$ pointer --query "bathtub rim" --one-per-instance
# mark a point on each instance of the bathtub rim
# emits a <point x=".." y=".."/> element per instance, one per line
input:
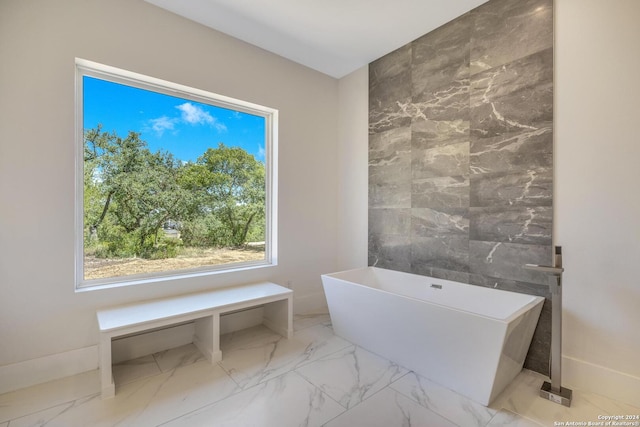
<point x="536" y="299"/>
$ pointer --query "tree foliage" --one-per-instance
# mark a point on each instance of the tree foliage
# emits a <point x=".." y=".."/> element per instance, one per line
<point x="131" y="194"/>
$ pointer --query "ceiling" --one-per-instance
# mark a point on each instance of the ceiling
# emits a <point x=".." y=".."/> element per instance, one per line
<point x="334" y="37"/>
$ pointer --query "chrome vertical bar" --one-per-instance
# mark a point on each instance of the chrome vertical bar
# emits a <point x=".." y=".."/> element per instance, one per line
<point x="554" y="391"/>
<point x="556" y="332"/>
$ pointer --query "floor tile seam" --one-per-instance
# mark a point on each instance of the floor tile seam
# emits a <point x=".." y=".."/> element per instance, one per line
<point x="238" y="390"/>
<point x="146" y="377"/>
<point x="219" y="363"/>
<point x="438" y="413"/>
<point x="22" y="415"/>
<point x="297" y="329"/>
<point x="325" y="394"/>
<point x="193" y="411"/>
<point x="321" y="390"/>
<point x="248" y="387"/>
<point x="433" y="411"/>
<point x="310" y="361"/>
<point x="394" y="391"/>
<point x="68" y="405"/>
<point x="318" y="325"/>
<point x="155" y="359"/>
<point x="503" y="409"/>
<point x="241" y="390"/>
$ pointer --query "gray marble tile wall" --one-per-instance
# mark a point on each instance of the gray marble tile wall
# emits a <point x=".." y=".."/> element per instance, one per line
<point x="460" y="153"/>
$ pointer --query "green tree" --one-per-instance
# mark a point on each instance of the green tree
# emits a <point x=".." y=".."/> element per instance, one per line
<point x="230" y="184"/>
<point x="130" y="192"/>
<point x="130" y="189"/>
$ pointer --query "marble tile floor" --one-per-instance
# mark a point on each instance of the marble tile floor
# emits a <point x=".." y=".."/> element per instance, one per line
<point x="314" y="379"/>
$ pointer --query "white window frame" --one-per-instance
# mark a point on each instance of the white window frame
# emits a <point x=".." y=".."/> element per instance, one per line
<point x="129" y="78"/>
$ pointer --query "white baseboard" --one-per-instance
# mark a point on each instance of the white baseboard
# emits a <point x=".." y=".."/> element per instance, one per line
<point x="582" y="375"/>
<point x="48" y="368"/>
<point x="310" y="304"/>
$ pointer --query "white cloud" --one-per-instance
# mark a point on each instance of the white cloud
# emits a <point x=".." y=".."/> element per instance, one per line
<point x="189" y="114"/>
<point x="161" y="124"/>
<point x="195" y="115"/>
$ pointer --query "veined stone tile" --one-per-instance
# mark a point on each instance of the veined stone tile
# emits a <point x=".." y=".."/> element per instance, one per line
<point x="442" y="55"/>
<point x="523" y="188"/>
<point x="426" y="133"/>
<point x="440" y="193"/>
<point x="518" y="224"/>
<point x="255" y="363"/>
<point x="145" y="402"/>
<point x="530" y="73"/>
<point x="390" y="169"/>
<point x="351" y="375"/>
<point x="16" y="404"/>
<point x="287" y="400"/>
<point x="446" y="103"/>
<point x="257" y="335"/>
<point x="180" y="356"/>
<point x="522" y="150"/>
<point x="396" y="63"/>
<point x="390" y="91"/>
<point x="389" y="408"/>
<point x="505" y="418"/>
<point x="446" y="160"/>
<point x="390" y="195"/>
<point x="390" y="251"/>
<point x="506" y="30"/>
<point x="513" y="98"/>
<point x="394" y="115"/>
<point x="131" y="370"/>
<point x="303" y="321"/>
<point x="385" y="147"/>
<point x="449" y="404"/>
<point x="390" y="221"/>
<point x="506" y="260"/>
<point x="541" y="290"/>
<point x="439" y="273"/>
<point x="445" y="253"/>
<point x="512" y="114"/>
<point x="427" y="222"/>
<point x="395" y="168"/>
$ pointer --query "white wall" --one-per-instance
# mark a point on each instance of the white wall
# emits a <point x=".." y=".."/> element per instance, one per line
<point x="597" y="197"/>
<point x="353" y="152"/>
<point x="40" y="314"/>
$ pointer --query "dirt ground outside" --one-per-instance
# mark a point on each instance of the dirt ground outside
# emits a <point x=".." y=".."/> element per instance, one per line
<point x="99" y="268"/>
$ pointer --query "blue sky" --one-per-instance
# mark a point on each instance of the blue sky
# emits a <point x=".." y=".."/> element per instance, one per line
<point x="184" y="128"/>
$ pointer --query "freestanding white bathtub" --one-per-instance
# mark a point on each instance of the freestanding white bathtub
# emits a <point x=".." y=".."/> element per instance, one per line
<point x="470" y="339"/>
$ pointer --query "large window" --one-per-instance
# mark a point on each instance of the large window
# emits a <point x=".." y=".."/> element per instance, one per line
<point x="171" y="180"/>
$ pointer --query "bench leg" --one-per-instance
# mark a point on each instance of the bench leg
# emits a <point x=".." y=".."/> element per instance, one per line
<point x="207" y="337"/>
<point x="216" y="353"/>
<point x="107" y="385"/>
<point x="278" y="316"/>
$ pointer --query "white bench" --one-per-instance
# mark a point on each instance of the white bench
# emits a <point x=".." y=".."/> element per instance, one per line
<point x="203" y="308"/>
